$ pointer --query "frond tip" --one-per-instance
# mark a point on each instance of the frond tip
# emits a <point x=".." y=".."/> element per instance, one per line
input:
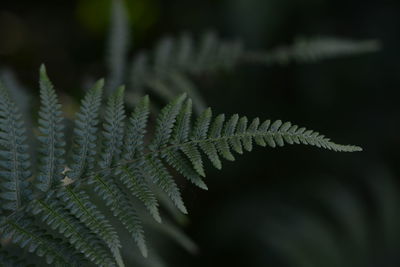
<point x="179" y="145"/>
<point x="219" y="138"/>
<point x="51" y="135"/>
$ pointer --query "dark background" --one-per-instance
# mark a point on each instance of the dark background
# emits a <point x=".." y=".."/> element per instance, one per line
<point x="351" y="99"/>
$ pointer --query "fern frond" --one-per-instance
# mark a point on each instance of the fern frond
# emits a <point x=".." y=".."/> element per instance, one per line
<point x="85" y="132"/>
<point x="124" y="158"/>
<point x="165" y="123"/>
<point x="22" y="231"/>
<point x="179" y="144"/>
<point x="153" y="165"/>
<point x="113" y="137"/>
<point x="76" y="201"/>
<point x="165" y="72"/>
<point x="134" y="140"/>
<point x="14" y="157"/>
<point x="83" y="240"/>
<point x="311" y="50"/>
<point x="51" y="137"/>
<point x="135" y="180"/>
<point x="133" y="176"/>
<point x="115" y="198"/>
<point x="158" y="173"/>
<point x="176" y="160"/>
<point x="113" y="134"/>
<point x="79" y="204"/>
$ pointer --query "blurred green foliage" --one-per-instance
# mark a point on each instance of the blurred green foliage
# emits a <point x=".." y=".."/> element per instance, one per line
<point x="94" y="14"/>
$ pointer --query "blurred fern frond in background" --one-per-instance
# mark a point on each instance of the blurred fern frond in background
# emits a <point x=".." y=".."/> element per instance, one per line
<point x="168" y="70"/>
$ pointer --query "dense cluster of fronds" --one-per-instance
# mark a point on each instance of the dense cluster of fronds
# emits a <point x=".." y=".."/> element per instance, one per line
<point x="117" y="163"/>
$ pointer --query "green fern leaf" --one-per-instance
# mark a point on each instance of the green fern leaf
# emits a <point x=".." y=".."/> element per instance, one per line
<point x="115" y="198"/>
<point x="157" y="172"/>
<point x="58" y="218"/>
<point x="165" y="123"/>
<point x="133" y="177"/>
<point x="220" y="143"/>
<point x="79" y="204"/>
<point x="14" y="157"/>
<point x="113" y="137"/>
<point x="200" y="131"/>
<point x="177" y="161"/>
<point x="136" y="182"/>
<point x="51" y="136"/>
<point x="134" y="141"/>
<point x="125" y="158"/>
<point x="22" y="231"/>
<point x="182" y="128"/>
<point x="113" y="134"/>
<point x="219" y="138"/>
<point x="83" y="154"/>
<point x="194" y="156"/>
<point x="181" y="134"/>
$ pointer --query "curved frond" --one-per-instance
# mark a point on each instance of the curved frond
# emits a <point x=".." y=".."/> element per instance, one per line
<point x="180" y="144"/>
<point x="122" y="164"/>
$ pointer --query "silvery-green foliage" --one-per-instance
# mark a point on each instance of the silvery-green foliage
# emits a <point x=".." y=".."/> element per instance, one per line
<point x="111" y="159"/>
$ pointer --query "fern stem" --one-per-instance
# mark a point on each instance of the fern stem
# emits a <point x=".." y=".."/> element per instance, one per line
<point x="198" y="142"/>
<point x="204" y="141"/>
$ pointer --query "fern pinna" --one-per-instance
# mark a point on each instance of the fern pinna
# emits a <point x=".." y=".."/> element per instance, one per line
<point x="113" y="161"/>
